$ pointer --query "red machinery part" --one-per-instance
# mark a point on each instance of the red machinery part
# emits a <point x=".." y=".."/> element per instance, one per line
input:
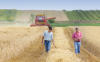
<point x="44" y="20"/>
<point x="51" y="18"/>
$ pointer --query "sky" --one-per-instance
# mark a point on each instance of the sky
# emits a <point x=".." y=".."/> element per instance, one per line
<point x="50" y="4"/>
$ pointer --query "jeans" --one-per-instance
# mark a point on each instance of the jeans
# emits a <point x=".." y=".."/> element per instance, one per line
<point x="47" y="45"/>
<point x="77" y="47"/>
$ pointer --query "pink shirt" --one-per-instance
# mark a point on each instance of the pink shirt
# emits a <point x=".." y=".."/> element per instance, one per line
<point x="77" y="35"/>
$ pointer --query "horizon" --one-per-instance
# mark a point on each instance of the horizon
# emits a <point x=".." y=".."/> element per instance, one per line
<point x="47" y="10"/>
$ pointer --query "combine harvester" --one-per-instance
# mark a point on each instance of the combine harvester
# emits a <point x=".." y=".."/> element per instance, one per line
<point x="41" y="20"/>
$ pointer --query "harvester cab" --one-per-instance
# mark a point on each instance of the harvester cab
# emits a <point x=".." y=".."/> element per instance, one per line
<point x="41" y="20"/>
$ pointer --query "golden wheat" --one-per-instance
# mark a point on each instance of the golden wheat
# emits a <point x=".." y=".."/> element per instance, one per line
<point x="13" y="40"/>
<point x="64" y="51"/>
<point x="25" y="45"/>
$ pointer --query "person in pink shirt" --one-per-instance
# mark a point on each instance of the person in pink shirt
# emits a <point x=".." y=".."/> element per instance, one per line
<point x="77" y="36"/>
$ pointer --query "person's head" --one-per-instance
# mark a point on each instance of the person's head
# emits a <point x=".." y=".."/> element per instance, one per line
<point x="77" y="30"/>
<point x="50" y="29"/>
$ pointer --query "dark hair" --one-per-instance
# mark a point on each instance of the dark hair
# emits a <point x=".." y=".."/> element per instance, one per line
<point x="50" y="28"/>
<point x="76" y="28"/>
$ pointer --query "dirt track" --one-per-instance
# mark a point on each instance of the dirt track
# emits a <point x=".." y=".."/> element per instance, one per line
<point x="64" y="51"/>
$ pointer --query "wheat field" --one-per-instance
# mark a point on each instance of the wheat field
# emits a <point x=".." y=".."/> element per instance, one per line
<point x="25" y="14"/>
<point x="13" y="40"/>
<point x="23" y="44"/>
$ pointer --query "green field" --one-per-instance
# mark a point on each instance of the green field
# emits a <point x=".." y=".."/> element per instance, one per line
<point x="73" y="24"/>
<point x="7" y="15"/>
<point x="83" y="15"/>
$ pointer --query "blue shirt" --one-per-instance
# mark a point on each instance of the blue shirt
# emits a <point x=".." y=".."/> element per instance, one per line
<point x="48" y="36"/>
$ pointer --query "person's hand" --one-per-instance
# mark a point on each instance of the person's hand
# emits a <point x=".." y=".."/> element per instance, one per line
<point x="53" y="44"/>
<point x="79" y="38"/>
<point x="75" y="39"/>
<point x="42" y="42"/>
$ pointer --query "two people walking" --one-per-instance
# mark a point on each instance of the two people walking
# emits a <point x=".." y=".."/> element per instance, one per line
<point x="48" y="36"/>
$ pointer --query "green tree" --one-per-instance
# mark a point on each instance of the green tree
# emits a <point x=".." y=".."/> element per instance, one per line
<point x="32" y="18"/>
<point x="51" y="20"/>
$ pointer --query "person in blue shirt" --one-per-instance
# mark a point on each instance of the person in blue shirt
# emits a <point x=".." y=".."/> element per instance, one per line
<point x="48" y="36"/>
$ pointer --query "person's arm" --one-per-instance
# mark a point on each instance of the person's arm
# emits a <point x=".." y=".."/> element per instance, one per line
<point x="73" y="37"/>
<point x="80" y="38"/>
<point x="43" y="37"/>
<point x="53" y="42"/>
<point x="52" y="39"/>
<point x="81" y="35"/>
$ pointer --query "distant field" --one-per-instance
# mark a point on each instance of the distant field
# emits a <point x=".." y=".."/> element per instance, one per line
<point x="73" y="24"/>
<point x="83" y="15"/>
<point x="24" y="15"/>
<point x="7" y="15"/>
<point x="75" y="15"/>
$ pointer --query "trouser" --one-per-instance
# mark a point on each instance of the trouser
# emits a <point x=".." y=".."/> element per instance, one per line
<point x="77" y="47"/>
<point x="47" y="45"/>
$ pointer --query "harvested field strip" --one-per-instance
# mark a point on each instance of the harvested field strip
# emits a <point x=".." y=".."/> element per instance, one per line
<point x="32" y="53"/>
<point x="14" y="40"/>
